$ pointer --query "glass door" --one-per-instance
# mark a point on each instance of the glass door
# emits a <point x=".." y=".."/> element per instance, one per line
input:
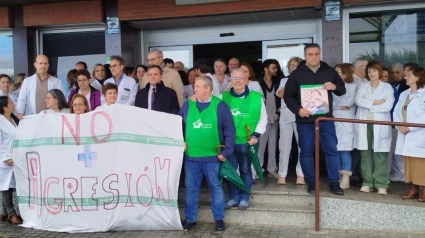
<point x="183" y="54"/>
<point x="283" y="50"/>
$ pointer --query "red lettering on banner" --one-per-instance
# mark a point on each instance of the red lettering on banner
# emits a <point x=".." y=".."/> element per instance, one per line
<point x="129" y="203"/>
<point x="70" y="187"/>
<point x="51" y="209"/>
<point x="137" y="190"/>
<point x="162" y="178"/>
<point x="92" y="123"/>
<point x="115" y="196"/>
<point x="34" y="180"/>
<point x="75" y="134"/>
<point x="86" y="191"/>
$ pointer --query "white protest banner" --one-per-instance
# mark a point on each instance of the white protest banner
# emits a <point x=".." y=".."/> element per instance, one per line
<point x="113" y="169"/>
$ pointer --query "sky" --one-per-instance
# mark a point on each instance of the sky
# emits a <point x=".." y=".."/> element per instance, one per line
<point x="6" y="55"/>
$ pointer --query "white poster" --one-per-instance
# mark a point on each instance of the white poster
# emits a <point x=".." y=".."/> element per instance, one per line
<point x="114" y="169"/>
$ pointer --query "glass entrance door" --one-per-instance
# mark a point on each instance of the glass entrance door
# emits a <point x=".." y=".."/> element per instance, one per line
<point x="283" y="50"/>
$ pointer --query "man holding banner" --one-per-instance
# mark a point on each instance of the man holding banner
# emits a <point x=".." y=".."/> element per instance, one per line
<point x="248" y="109"/>
<point x="207" y="124"/>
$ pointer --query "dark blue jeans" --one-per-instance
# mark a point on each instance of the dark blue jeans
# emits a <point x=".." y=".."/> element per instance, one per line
<point x="240" y="158"/>
<point x="193" y="178"/>
<point x="328" y="144"/>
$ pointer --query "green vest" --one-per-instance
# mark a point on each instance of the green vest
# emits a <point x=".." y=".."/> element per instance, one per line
<point x="202" y="130"/>
<point x="245" y="111"/>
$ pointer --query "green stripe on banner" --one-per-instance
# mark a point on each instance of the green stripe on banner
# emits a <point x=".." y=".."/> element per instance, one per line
<point x="88" y="140"/>
<point x="88" y="202"/>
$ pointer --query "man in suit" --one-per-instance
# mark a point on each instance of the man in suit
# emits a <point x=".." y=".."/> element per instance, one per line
<point x="155" y="96"/>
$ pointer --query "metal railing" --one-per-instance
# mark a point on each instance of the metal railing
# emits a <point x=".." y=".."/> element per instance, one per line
<point x="317" y="152"/>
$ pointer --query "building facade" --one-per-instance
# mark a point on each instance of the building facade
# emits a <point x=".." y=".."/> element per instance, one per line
<point x="185" y="30"/>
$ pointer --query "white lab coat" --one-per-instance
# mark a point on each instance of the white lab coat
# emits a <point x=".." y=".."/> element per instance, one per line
<point x="216" y="85"/>
<point x="412" y="143"/>
<point x="187" y="92"/>
<point x="26" y="99"/>
<point x="226" y="82"/>
<point x="7" y="135"/>
<point x="358" y="81"/>
<point x="127" y="90"/>
<point x="13" y="100"/>
<point x="286" y="116"/>
<point x="364" y="100"/>
<point x="344" y="130"/>
<point x="95" y="84"/>
<point x="255" y="86"/>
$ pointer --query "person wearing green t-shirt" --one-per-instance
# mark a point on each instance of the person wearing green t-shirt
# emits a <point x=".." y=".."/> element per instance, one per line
<point x="248" y="109"/>
<point x="207" y="124"/>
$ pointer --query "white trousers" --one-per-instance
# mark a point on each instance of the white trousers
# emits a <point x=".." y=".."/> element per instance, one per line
<point x="285" y="145"/>
<point x="395" y="162"/>
<point x="269" y="137"/>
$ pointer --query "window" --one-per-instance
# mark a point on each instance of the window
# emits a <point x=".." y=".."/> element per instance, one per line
<point x="66" y="48"/>
<point x="389" y="37"/>
<point x="6" y="53"/>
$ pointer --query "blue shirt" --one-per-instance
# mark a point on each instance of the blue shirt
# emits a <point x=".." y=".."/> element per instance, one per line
<point x="226" y="129"/>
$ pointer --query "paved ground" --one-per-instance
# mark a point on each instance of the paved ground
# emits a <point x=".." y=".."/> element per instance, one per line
<point x="207" y="230"/>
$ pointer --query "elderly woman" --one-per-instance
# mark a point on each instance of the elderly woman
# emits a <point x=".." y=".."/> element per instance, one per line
<point x="4" y="90"/>
<point x="410" y="108"/>
<point x="374" y="101"/>
<point x="99" y="76"/>
<point x="8" y="129"/>
<point x="288" y="128"/>
<point x="79" y="104"/>
<point x="84" y="88"/>
<point x="344" y="107"/>
<point x="56" y="102"/>
<point x="220" y="75"/>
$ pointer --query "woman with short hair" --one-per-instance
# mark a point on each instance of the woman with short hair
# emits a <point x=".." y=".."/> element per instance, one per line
<point x="374" y="100"/>
<point x="79" y="104"/>
<point x="4" y="90"/>
<point x="84" y="88"/>
<point x="410" y="108"/>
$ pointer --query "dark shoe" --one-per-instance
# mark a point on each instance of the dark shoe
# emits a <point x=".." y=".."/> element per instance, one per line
<point x="412" y="193"/>
<point x="422" y="196"/>
<point x="219" y="225"/>
<point x="3" y="217"/>
<point x="311" y="188"/>
<point x="335" y="188"/>
<point x="187" y="225"/>
<point x="14" y="220"/>
<point x="356" y="183"/>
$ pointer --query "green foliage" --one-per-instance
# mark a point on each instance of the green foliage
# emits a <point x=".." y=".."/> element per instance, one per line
<point x="401" y="56"/>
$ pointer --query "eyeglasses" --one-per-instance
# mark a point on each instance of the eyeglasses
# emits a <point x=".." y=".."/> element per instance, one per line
<point x="293" y="65"/>
<point x="237" y="78"/>
<point x="78" y="105"/>
<point x="152" y="60"/>
<point x="114" y="66"/>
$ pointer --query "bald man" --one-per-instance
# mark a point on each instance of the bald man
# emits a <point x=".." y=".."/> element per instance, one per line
<point x="34" y="90"/>
<point x="178" y="66"/>
<point x="233" y="64"/>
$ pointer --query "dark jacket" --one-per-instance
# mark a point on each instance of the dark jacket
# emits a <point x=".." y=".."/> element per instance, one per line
<point x="94" y="97"/>
<point x="401" y="86"/>
<point x="303" y="75"/>
<point x="265" y="88"/>
<point x="165" y="101"/>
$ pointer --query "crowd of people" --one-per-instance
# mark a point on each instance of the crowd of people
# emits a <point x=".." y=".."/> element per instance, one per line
<point x="233" y="108"/>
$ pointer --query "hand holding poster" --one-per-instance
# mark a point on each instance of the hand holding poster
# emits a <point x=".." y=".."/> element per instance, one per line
<point x="314" y="97"/>
<point x="115" y="169"/>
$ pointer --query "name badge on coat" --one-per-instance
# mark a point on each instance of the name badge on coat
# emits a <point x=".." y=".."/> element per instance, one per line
<point x="125" y="94"/>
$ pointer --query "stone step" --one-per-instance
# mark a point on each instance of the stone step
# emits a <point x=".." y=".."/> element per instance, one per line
<point x="261" y="214"/>
<point x="287" y="197"/>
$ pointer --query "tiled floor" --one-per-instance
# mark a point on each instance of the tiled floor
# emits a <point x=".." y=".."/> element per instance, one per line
<point x="207" y="230"/>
